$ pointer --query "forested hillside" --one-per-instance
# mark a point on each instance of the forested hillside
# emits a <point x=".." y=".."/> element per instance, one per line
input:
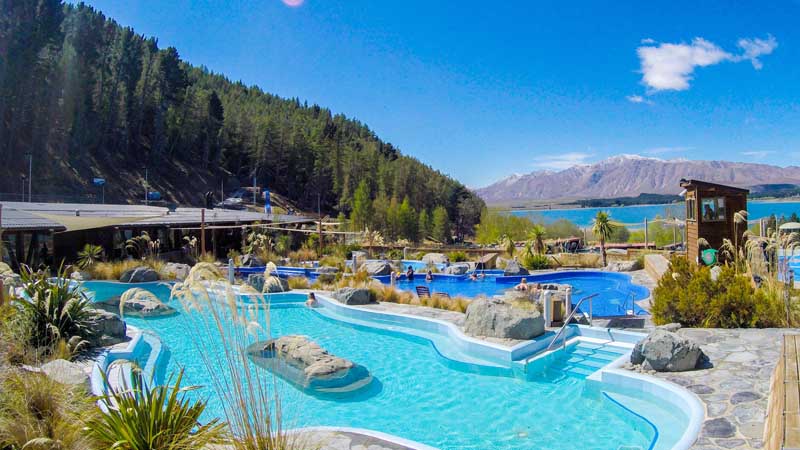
<point x="90" y="98"/>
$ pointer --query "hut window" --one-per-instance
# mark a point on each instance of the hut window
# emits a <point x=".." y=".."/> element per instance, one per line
<point x="691" y="209"/>
<point x="713" y="209"/>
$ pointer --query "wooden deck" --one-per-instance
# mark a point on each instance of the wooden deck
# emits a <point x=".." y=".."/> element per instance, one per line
<point x="782" y="429"/>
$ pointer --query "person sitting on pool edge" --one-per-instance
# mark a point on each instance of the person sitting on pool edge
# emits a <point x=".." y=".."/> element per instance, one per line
<point x="429" y="276"/>
<point x="312" y="300"/>
<point x="410" y="273"/>
<point x="522" y="286"/>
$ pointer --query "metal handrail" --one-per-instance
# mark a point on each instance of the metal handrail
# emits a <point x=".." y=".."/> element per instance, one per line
<point x="569" y="317"/>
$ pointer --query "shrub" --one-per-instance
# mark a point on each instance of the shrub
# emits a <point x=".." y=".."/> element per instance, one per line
<point x="54" y="311"/>
<point x="458" y="256"/>
<point x="38" y="412"/>
<point x="332" y="261"/>
<point x="141" y="417"/>
<point x="112" y="270"/>
<point x="298" y="283"/>
<point x="90" y="255"/>
<point x="394" y="254"/>
<point x="688" y="295"/>
<point x="535" y="262"/>
<point x="303" y="254"/>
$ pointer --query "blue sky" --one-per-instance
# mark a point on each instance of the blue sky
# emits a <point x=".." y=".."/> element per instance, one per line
<point x="483" y="89"/>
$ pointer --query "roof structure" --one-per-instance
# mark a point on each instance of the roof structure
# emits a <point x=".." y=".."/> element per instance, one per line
<point x="705" y="184"/>
<point x="75" y="216"/>
<point x="790" y="226"/>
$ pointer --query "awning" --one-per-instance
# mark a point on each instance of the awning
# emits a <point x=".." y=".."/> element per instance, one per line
<point x="790" y="226"/>
<point x="77" y="223"/>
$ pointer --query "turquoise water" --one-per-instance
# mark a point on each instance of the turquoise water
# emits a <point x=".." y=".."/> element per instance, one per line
<point x="419" y="395"/>
<point x="635" y="215"/>
<point x="615" y="290"/>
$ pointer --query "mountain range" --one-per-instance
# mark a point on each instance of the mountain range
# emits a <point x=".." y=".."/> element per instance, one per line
<point x="630" y="175"/>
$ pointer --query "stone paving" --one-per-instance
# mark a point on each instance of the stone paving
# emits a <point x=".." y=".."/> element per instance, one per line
<point x="735" y="390"/>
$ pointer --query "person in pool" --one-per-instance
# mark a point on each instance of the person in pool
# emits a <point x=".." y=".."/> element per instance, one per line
<point x="410" y="273"/>
<point x="473" y="277"/>
<point x="429" y="276"/>
<point x="312" y="300"/>
<point x="522" y="286"/>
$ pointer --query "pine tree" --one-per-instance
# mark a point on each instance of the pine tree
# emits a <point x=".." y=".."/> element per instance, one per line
<point x="440" y="226"/>
<point x="362" y="207"/>
<point x="407" y="220"/>
<point x="424" y="225"/>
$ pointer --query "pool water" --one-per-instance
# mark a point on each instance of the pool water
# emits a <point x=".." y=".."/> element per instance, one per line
<point x="616" y="291"/>
<point x="417" y="394"/>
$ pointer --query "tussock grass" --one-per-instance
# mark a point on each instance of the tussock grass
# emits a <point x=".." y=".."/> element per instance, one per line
<point x="298" y="283"/>
<point x="39" y="413"/>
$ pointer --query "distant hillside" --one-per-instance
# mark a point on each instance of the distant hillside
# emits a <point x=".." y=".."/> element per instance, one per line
<point x="90" y="98"/>
<point x="630" y="176"/>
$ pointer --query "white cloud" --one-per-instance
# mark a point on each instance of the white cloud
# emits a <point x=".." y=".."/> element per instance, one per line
<point x="562" y="161"/>
<point x="670" y="66"/>
<point x="757" y="154"/>
<point x="638" y="99"/>
<point x="753" y="48"/>
<point x="648" y="41"/>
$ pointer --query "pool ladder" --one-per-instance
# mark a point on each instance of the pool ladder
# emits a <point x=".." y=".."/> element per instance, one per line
<point x="569" y="317"/>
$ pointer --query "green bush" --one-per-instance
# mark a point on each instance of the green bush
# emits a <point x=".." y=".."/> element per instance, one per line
<point x="687" y="294"/>
<point x="395" y="254"/>
<point x="458" y="256"/>
<point x="535" y="262"/>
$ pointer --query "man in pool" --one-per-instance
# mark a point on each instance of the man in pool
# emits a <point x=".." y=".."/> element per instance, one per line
<point x="410" y="273"/>
<point x="473" y="277"/>
<point x="429" y="276"/>
<point x="522" y="286"/>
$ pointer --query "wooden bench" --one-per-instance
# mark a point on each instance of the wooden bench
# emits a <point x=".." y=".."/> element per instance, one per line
<point x="782" y="428"/>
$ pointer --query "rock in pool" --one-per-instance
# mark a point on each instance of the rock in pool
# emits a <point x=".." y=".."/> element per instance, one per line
<point x="136" y="302"/>
<point x="304" y="363"/>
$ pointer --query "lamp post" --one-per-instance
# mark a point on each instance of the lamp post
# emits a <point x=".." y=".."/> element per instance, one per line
<point x="30" y="177"/>
<point x="24" y="179"/>
<point x="146" y="188"/>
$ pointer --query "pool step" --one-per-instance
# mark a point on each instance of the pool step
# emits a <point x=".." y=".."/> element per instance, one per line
<point x="585" y="358"/>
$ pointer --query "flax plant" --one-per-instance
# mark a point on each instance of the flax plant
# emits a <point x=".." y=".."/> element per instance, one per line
<point x="216" y="321"/>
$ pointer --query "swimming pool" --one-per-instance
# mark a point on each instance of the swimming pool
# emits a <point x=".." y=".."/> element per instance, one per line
<point x="420" y="394"/>
<point x="616" y="291"/>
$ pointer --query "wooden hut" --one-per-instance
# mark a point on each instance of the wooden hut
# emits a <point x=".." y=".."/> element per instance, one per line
<point x="710" y="209"/>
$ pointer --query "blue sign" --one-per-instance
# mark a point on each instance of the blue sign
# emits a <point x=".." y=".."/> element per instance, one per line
<point x="99" y="181"/>
<point x="267" y="205"/>
<point x="154" y="195"/>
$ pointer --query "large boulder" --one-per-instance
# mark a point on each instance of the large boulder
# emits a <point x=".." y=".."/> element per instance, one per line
<point x="622" y="266"/>
<point x="457" y="269"/>
<point x="141" y="274"/>
<point x="80" y="275"/>
<point x="268" y="284"/>
<point x="514" y="269"/>
<point x="252" y="261"/>
<point x="493" y="317"/>
<point x="328" y="270"/>
<point x="376" y="268"/>
<point x="10" y="279"/>
<point x="435" y="258"/>
<point x="137" y="302"/>
<point x="352" y="296"/>
<point x="304" y="363"/>
<point x="108" y="328"/>
<point x="665" y="351"/>
<point x="65" y="372"/>
<point x="175" y="271"/>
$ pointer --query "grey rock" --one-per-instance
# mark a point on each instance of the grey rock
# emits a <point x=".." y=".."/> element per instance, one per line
<point x="701" y="389"/>
<point x="731" y="443"/>
<point x="252" y="261"/>
<point x="435" y="258"/>
<point x="80" y="276"/>
<point x="719" y="428"/>
<point x="65" y="372"/>
<point x="268" y="284"/>
<point x="377" y="268"/>
<point x="715" y="272"/>
<point x="493" y="317"/>
<point x="352" y="296"/>
<point x="11" y="280"/>
<point x="140" y="274"/>
<point x="513" y="269"/>
<point x="137" y="302"/>
<point x="664" y="351"/>
<point x="622" y="266"/>
<point x="457" y="269"/>
<point x="671" y="327"/>
<point x="175" y="271"/>
<point x="305" y="363"/>
<point x="744" y="397"/>
<point x="328" y="270"/>
<point x="107" y="328"/>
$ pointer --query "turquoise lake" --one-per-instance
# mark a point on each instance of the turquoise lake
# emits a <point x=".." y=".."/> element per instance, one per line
<point x="634" y="216"/>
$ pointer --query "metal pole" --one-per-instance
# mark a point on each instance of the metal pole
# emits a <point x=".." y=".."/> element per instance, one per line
<point x="319" y="227"/>
<point x="104" y="193"/>
<point x="30" y="177"/>
<point x="203" y="232"/>
<point x="646" y="241"/>
<point x="254" y="189"/>
<point x="22" y="198"/>
<point x="222" y="191"/>
<point x="145" y="187"/>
